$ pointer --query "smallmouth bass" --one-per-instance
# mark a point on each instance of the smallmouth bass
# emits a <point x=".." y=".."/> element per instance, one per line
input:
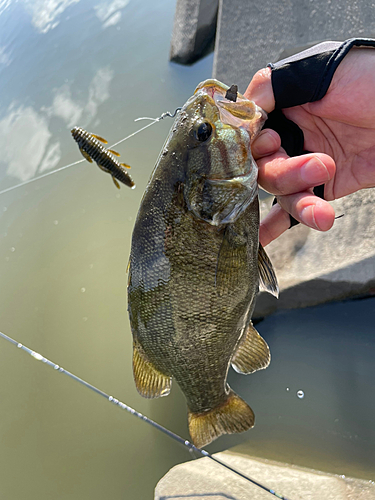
<point x="196" y="264"/>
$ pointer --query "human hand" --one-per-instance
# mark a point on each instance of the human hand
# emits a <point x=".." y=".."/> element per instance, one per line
<point x="339" y="130"/>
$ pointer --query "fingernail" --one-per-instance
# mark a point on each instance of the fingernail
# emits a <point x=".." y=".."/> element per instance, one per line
<point x="314" y="172"/>
<point x="265" y="144"/>
<point x="308" y="218"/>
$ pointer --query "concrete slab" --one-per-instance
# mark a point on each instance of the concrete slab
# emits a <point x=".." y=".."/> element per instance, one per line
<point x="251" y="34"/>
<point x="204" y="479"/>
<point x="194" y="30"/>
<point x="314" y="267"/>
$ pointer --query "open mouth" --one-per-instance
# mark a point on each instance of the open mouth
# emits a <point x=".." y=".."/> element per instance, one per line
<point x="240" y="113"/>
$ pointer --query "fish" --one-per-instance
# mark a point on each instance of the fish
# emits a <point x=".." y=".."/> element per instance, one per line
<point x="92" y="150"/>
<point x="196" y="264"/>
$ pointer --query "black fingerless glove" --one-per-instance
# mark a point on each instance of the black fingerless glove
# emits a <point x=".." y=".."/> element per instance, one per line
<point x="301" y="78"/>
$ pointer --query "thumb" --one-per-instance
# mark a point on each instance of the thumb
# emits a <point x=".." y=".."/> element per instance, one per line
<point x="260" y="90"/>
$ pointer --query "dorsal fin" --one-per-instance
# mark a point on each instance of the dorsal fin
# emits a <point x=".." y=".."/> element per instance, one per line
<point x="267" y="276"/>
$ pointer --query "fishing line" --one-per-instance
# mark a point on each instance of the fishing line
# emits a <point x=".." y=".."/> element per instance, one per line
<point x="154" y="120"/>
<point x="123" y="406"/>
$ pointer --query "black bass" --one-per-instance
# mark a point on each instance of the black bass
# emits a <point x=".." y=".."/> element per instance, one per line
<point x="92" y="150"/>
<point x="196" y="264"/>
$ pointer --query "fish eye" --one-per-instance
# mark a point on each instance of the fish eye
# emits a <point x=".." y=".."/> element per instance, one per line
<point x="203" y="132"/>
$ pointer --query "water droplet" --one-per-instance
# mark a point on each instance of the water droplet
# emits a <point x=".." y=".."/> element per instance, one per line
<point x="5" y="234"/>
<point x="5" y="209"/>
<point x="342" y="476"/>
<point x="118" y="195"/>
<point x="91" y="266"/>
<point x="19" y="345"/>
<point x="130" y="217"/>
<point x="83" y="290"/>
<point x="7" y="259"/>
<point x="300" y="394"/>
<point x="83" y="210"/>
<point x="85" y="318"/>
<point x="287" y="389"/>
<point x="12" y="249"/>
<point x="55" y="222"/>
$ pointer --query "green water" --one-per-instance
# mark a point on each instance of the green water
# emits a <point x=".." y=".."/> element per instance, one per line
<point x="64" y="249"/>
<point x="65" y="243"/>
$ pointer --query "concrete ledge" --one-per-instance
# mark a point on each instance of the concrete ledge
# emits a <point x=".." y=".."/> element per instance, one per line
<point x="204" y="479"/>
<point x="194" y="30"/>
<point x="313" y="267"/>
<point x="252" y="34"/>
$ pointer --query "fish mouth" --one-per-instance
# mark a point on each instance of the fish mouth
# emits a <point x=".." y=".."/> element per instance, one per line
<point x="241" y="114"/>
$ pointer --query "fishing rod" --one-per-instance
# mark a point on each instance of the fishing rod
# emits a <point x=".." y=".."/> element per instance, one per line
<point x="139" y="415"/>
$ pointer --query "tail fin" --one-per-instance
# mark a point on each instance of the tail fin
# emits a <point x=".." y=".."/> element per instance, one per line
<point x="234" y="415"/>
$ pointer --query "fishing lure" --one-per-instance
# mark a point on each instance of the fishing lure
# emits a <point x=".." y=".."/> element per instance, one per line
<point x="92" y="149"/>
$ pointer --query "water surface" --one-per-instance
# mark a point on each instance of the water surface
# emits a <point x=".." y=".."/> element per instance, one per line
<point x="65" y="243"/>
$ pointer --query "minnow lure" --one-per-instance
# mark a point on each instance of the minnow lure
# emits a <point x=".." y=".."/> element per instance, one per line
<point x="93" y="150"/>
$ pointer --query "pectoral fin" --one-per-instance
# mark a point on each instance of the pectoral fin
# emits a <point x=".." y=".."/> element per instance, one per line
<point x="252" y="354"/>
<point x="86" y="155"/>
<point x="267" y="276"/>
<point x="150" y="383"/>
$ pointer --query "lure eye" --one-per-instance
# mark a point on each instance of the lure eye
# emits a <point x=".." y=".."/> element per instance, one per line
<point x="203" y="132"/>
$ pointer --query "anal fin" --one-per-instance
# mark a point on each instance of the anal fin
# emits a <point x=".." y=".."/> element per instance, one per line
<point x="267" y="276"/>
<point x="149" y="381"/>
<point x="252" y="354"/>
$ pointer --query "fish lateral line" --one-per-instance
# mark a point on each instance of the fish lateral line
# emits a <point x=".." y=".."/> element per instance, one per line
<point x="39" y="357"/>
